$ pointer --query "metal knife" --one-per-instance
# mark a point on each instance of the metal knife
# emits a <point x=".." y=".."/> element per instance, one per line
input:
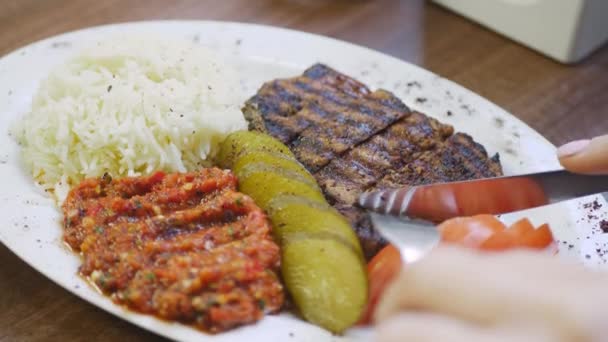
<point x="406" y="216"/>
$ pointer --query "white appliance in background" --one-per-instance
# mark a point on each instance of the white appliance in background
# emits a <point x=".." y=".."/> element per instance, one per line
<point x="566" y="30"/>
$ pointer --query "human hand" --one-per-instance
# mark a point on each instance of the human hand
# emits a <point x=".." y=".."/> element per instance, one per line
<point x="459" y="295"/>
<point x="585" y="156"/>
<point x="456" y="294"/>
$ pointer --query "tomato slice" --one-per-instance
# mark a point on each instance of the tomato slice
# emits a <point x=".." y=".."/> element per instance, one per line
<point x="444" y="201"/>
<point x="508" y="238"/>
<point x="381" y="270"/>
<point x="520" y="228"/>
<point x="500" y="241"/>
<point x="470" y="231"/>
<point x="538" y="238"/>
<point x="486" y="232"/>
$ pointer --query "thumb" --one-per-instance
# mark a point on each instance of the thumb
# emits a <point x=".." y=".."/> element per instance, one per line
<point x="585" y="156"/>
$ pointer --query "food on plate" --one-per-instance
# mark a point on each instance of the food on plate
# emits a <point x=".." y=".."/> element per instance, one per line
<point x="381" y="271"/>
<point x="131" y="124"/>
<point x="486" y="232"/>
<point x="182" y="246"/>
<point x="129" y="106"/>
<point x="326" y="280"/>
<point x="321" y="259"/>
<point x="302" y="215"/>
<point x="272" y="160"/>
<point x="482" y="232"/>
<point x="353" y="140"/>
<point x="239" y="142"/>
<point x="265" y="184"/>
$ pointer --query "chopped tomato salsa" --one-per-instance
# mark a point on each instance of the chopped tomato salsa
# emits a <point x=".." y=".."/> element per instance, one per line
<point x="184" y="246"/>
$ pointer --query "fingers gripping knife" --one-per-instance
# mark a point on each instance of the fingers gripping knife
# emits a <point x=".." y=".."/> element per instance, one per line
<point x="406" y="216"/>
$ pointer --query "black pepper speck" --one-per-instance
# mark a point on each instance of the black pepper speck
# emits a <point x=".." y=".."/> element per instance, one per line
<point x="414" y="84"/>
<point x="57" y="45"/>
<point x="500" y="123"/>
<point x="467" y="109"/>
<point x="604" y="226"/>
<point x="510" y="151"/>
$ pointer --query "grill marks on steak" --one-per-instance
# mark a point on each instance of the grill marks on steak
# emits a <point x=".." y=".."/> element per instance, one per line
<point x="322" y="114"/>
<point x="345" y="178"/>
<point x="354" y="140"/>
<point x="457" y="158"/>
<point x="288" y="105"/>
<point x="344" y="128"/>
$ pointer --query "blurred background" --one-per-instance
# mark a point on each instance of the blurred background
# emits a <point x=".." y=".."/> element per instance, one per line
<point x="562" y="102"/>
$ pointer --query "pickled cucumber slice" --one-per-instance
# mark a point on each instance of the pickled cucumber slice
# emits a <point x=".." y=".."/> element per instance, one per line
<point x="260" y="167"/>
<point x="300" y="218"/>
<point x="281" y="202"/>
<point x="245" y="141"/>
<point x="322" y="266"/>
<point x="327" y="281"/>
<point x="264" y="185"/>
<point x="276" y="160"/>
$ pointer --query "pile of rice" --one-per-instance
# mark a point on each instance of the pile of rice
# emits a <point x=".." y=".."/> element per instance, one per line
<point x="129" y="106"/>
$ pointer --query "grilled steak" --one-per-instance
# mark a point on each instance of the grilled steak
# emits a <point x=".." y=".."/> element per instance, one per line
<point x="353" y="140"/>
<point x="322" y="114"/>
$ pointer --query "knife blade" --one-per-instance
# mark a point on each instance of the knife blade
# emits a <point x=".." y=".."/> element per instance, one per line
<point x="497" y="195"/>
<point x="398" y="218"/>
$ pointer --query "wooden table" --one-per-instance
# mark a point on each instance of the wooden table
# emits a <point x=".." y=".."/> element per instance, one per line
<point x="561" y="102"/>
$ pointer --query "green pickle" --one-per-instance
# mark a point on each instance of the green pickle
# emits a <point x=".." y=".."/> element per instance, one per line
<point x="281" y="202"/>
<point x="246" y="141"/>
<point x="322" y="262"/>
<point x="265" y="184"/>
<point x="327" y="281"/>
<point x="275" y="160"/>
<point x="297" y="218"/>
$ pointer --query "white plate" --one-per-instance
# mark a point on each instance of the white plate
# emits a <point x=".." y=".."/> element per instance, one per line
<point x="30" y="224"/>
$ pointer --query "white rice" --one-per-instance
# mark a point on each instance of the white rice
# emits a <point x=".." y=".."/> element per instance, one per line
<point x="129" y="106"/>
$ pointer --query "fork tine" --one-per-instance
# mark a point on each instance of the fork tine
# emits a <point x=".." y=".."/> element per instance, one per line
<point x="389" y="201"/>
<point x="413" y="238"/>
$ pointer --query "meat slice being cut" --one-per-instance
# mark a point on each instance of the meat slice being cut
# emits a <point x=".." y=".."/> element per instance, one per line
<point x="458" y="158"/>
<point x="354" y="140"/>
